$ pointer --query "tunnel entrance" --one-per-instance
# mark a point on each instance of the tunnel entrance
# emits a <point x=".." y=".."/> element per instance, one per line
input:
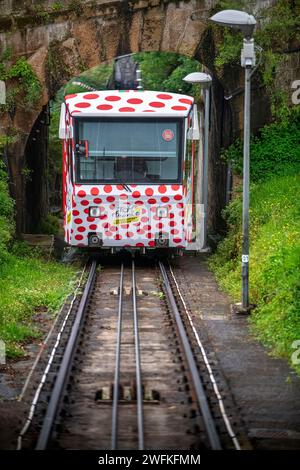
<point x="36" y="172"/>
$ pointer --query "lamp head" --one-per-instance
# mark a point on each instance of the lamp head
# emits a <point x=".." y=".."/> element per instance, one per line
<point x="236" y="19"/>
<point x="204" y="79"/>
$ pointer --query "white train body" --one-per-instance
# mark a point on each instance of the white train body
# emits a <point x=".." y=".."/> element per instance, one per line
<point x="130" y="170"/>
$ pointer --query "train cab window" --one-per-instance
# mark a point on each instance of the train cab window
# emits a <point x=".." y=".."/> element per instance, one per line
<point x="131" y="151"/>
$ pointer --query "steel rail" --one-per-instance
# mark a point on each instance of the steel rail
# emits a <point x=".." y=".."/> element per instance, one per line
<point x="212" y="434"/>
<point x="64" y="369"/>
<point x="114" y="427"/>
<point x="139" y="387"/>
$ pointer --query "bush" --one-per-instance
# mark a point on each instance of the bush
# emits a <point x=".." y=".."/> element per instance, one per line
<point x="274" y="151"/>
<point x="6" y="215"/>
<point x="50" y="225"/>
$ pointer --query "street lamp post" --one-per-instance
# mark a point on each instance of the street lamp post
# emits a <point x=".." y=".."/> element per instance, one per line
<point x="204" y="80"/>
<point x="245" y="23"/>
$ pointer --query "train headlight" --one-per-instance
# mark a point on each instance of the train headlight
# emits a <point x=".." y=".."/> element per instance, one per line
<point x="95" y="211"/>
<point x="162" y="212"/>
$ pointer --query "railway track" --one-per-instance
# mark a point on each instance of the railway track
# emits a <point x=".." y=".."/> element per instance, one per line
<point x="129" y="375"/>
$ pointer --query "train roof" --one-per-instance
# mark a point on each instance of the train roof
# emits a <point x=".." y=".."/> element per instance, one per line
<point x="131" y="103"/>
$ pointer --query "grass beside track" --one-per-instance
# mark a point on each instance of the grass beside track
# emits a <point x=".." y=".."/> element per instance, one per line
<point x="29" y="286"/>
<point x="274" y="263"/>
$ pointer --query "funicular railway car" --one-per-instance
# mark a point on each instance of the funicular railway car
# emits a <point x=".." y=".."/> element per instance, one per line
<point x="130" y="170"/>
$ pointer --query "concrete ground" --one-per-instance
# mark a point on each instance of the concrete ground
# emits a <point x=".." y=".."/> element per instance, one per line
<point x="265" y="389"/>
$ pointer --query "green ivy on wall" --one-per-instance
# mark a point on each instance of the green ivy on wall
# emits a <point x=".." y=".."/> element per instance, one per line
<point x="278" y="28"/>
<point x="24" y="86"/>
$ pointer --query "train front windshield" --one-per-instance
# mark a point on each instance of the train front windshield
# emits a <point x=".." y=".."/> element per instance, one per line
<point x="128" y="151"/>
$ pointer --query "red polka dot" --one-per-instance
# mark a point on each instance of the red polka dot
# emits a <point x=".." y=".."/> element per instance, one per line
<point x="162" y="189"/>
<point x="126" y="109"/>
<point x="139" y="244"/>
<point x="104" y="107"/>
<point x="81" y="229"/>
<point x="90" y="219"/>
<point x="108" y="234"/>
<point x="118" y="237"/>
<point x="133" y="185"/>
<point x="147" y="227"/>
<point x="129" y="234"/>
<point x="79" y="237"/>
<point x="144" y="219"/>
<point x="151" y="201"/>
<point x="179" y="108"/>
<point x="149" y="192"/>
<point x="83" y="105"/>
<point x="134" y="101"/>
<point x="175" y="187"/>
<point x="139" y="203"/>
<point x="179" y="205"/>
<point x="124" y="226"/>
<point x="152" y="243"/>
<point x="75" y="212"/>
<point x="93" y="227"/>
<point x="172" y="223"/>
<point x="113" y="228"/>
<point x="84" y="202"/>
<point x="123" y="196"/>
<point x="78" y="221"/>
<point x="86" y="211"/>
<point x="94" y="191"/>
<point x="68" y="97"/>
<point x="150" y="235"/>
<point x="185" y="100"/>
<point x="164" y="96"/>
<point x="165" y="199"/>
<point x="105" y="225"/>
<point x="177" y="240"/>
<point x="157" y="104"/>
<point x="140" y="231"/>
<point x="107" y="188"/>
<point x="97" y="200"/>
<point x="110" y="198"/>
<point x="112" y="98"/>
<point x="112" y="206"/>
<point x="160" y="225"/>
<point x="172" y="216"/>
<point x="174" y="231"/>
<point x="81" y="193"/>
<point x="91" y="96"/>
<point x="120" y="187"/>
<point x="103" y="217"/>
<point x="177" y="197"/>
<point x="136" y="194"/>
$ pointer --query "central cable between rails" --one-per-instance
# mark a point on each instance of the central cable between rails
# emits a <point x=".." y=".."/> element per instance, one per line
<point x="139" y="387"/>
<point x="114" y="433"/>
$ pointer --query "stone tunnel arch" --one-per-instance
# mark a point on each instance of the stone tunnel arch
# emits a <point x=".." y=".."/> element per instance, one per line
<point x="73" y="41"/>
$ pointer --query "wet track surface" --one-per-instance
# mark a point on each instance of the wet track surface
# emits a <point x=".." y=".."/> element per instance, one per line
<point x="261" y="394"/>
<point x="265" y="389"/>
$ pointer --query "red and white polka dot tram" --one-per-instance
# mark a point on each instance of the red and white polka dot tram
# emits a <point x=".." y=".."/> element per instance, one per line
<point x="130" y="170"/>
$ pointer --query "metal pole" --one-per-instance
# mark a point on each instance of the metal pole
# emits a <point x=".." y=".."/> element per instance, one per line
<point x="245" y="242"/>
<point x="205" y="161"/>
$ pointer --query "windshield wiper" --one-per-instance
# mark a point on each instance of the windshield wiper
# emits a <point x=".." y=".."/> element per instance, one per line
<point x="125" y="186"/>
